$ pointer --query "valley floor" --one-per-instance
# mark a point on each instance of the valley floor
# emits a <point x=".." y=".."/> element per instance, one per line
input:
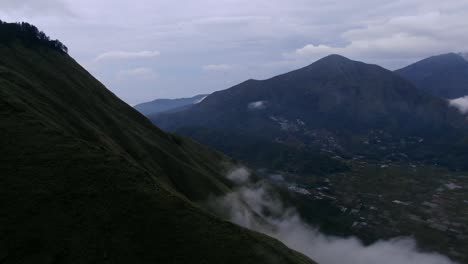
<point x="375" y="201"/>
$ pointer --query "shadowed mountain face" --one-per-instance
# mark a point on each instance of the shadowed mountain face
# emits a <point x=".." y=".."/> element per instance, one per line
<point x="162" y="105"/>
<point x="445" y="76"/>
<point x="86" y="179"/>
<point x="335" y="105"/>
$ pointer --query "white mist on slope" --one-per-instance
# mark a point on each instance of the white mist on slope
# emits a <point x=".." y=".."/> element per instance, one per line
<point x="239" y="175"/>
<point x="460" y="103"/>
<point x="286" y="225"/>
<point x="260" y="105"/>
<point x="200" y="100"/>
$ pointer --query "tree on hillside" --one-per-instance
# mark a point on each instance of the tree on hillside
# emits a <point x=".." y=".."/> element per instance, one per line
<point x="28" y="34"/>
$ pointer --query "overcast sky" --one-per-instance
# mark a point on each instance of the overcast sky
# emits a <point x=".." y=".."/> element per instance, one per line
<point x="147" y="49"/>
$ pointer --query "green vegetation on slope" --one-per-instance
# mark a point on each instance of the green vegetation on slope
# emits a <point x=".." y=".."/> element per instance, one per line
<point x="85" y="178"/>
<point x="29" y="35"/>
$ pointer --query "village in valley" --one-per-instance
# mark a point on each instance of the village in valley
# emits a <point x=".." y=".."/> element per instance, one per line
<point x="396" y="200"/>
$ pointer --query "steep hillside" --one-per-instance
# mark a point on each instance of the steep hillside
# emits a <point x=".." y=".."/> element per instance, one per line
<point x="445" y="76"/>
<point x="87" y="179"/>
<point x="162" y="105"/>
<point x="334" y="105"/>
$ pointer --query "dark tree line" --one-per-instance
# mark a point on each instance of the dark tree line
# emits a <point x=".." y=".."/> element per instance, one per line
<point x="29" y="35"/>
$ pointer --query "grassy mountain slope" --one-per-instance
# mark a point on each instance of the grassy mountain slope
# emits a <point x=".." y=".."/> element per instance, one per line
<point x="444" y="75"/>
<point x="85" y="178"/>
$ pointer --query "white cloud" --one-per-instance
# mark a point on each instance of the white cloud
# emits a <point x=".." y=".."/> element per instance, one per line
<point x="246" y="204"/>
<point x="239" y="175"/>
<point x="318" y="50"/>
<point x="200" y="100"/>
<point x="137" y="73"/>
<point x="460" y="103"/>
<point x="217" y="67"/>
<point x="123" y="55"/>
<point x="412" y="36"/>
<point x="257" y="105"/>
<point x="35" y="8"/>
<point x="223" y="21"/>
<point x="248" y="34"/>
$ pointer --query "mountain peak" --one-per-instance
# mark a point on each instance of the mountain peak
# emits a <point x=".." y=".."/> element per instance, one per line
<point x="335" y="66"/>
<point x="445" y="60"/>
<point x="333" y="59"/>
<point x="443" y="75"/>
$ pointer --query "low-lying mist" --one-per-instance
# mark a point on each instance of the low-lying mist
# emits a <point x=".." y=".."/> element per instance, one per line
<point x="460" y="103"/>
<point x="255" y="206"/>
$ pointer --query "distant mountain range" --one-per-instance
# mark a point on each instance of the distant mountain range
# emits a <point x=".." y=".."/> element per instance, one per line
<point x="370" y="153"/>
<point x="334" y="105"/>
<point x="85" y="178"/>
<point x="445" y="76"/>
<point x="162" y="105"/>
